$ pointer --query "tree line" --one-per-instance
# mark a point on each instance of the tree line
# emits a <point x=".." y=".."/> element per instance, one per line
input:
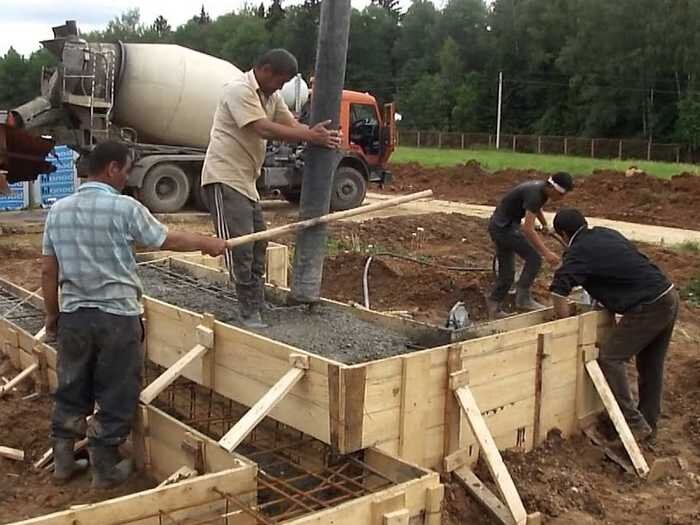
<point x="591" y="68"/>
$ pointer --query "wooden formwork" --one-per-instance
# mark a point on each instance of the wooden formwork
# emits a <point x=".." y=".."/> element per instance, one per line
<point x="526" y="373"/>
<point x="227" y="484"/>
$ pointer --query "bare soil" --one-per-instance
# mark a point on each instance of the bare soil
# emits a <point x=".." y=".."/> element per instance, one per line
<point x="27" y="492"/>
<point x="609" y="194"/>
<point x="569" y="481"/>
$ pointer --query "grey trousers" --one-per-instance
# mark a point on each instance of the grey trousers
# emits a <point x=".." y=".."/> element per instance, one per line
<point x="100" y="361"/>
<point x="234" y="215"/>
<point x="510" y="241"/>
<point x="644" y="333"/>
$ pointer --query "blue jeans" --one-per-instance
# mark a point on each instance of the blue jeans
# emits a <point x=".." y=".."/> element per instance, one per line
<point x="100" y="364"/>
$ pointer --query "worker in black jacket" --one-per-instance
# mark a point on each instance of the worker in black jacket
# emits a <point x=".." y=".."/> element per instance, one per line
<point x="626" y="282"/>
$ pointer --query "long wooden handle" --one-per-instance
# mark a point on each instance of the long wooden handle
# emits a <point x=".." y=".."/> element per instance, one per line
<point x="324" y="219"/>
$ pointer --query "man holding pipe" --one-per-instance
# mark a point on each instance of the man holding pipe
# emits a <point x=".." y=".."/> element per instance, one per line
<point x="524" y="201"/>
<point x="250" y="112"/>
<point x="625" y="282"/>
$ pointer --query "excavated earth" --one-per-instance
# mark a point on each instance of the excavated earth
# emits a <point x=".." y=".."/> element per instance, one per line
<point x="569" y="481"/>
<point x="610" y="194"/>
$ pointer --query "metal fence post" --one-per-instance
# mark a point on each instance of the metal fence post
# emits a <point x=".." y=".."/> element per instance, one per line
<point x="592" y="148"/>
<point x="462" y="140"/>
<point x="439" y="139"/>
<point x="539" y="144"/>
<point x="619" y="151"/>
<point x="514" y="140"/>
<point x="417" y="139"/>
<point x="566" y="146"/>
<point x="649" y="150"/>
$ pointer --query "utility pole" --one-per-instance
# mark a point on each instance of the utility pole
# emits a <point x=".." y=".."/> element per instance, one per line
<point x="500" y="106"/>
<point x="320" y="163"/>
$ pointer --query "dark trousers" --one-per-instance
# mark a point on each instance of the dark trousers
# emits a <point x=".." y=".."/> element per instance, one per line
<point x="510" y="241"/>
<point x="234" y="215"/>
<point x="100" y="362"/>
<point x="643" y="333"/>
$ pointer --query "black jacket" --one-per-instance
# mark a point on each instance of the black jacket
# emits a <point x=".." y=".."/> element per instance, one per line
<point x="610" y="269"/>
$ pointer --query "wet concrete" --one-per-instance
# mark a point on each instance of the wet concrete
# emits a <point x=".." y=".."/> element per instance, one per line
<point x="322" y="330"/>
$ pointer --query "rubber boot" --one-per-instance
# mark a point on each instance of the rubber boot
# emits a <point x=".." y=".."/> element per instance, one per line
<point x="65" y="464"/>
<point x="524" y="301"/>
<point x="250" y="298"/>
<point x="493" y="308"/>
<point x="107" y="469"/>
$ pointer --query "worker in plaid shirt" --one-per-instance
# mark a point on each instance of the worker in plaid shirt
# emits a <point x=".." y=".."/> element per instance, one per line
<point x="88" y="256"/>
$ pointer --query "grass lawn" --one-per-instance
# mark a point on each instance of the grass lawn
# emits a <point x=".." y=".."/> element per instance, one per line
<point x="497" y="160"/>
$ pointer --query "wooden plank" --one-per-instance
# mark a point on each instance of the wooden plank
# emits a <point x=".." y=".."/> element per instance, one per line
<point x="167" y="378"/>
<point x="387" y="505"/>
<point x="414" y="404"/>
<point x="354" y="389"/>
<point x="610" y="403"/>
<point x="154" y="502"/>
<point x="262" y="408"/>
<point x="167" y="441"/>
<point x="587" y="401"/>
<point x="452" y="412"/>
<point x="498" y="470"/>
<point x="24" y="374"/>
<point x="433" y="505"/>
<point x="544" y="352"/>
<point x="336" y="408"/>
<point x="14" y="454"/>
<point x="398" y="517"/>
<point x="276" y="261"/>
<point x="481" y="493"/>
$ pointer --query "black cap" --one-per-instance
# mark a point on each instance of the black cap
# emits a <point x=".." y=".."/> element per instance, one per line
<point x="568" y="221"/>
<point x="563" y="179"/>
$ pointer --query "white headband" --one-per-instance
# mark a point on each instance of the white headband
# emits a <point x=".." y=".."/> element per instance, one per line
<point x="556" y="186"/>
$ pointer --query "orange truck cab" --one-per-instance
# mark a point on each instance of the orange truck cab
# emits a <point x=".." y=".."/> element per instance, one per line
<point x="369" y="139"/>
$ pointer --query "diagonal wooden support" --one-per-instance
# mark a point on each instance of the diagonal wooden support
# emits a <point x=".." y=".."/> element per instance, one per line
<point x="610" y="403"/>
<point x="481" y="493"/>
<point x="24" y="374"/>
<point x="490" y="452"/>
<point x="167" y="378"/>
<point x="262" y="408"/>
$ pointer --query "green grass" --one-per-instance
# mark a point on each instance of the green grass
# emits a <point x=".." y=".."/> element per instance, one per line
<point x="691" y="247"/>
<point x="493" y="160"/>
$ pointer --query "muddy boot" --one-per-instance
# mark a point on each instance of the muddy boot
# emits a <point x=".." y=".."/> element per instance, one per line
<point x="524" y="301"/>
<point x="494" y="311"/>
<point x="108" y="470"/>
<point x="248" y="300"/>
<point x="65" y="465"/>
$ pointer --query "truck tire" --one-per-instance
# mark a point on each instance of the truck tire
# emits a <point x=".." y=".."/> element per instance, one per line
<point x="199" y="197"/>
<point x="165" y="189"/>
<point x="349" y="189"/>
<point x="293" y="196"/>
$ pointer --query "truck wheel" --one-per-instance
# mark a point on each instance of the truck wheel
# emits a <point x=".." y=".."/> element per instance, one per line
<point x="349" y="189"/>
<point x="199" y="196"/>
<point x="292" y="196"/>
<point x="165" y="188"/>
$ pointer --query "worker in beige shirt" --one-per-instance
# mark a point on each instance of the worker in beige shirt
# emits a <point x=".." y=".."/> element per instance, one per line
<point x="250" y="112"/>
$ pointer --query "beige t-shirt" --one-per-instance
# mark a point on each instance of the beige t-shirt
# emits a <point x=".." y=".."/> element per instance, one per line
<point x="236" y="154"/>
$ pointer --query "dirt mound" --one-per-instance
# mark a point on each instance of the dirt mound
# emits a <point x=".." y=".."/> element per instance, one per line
<point x="610" y="194"/>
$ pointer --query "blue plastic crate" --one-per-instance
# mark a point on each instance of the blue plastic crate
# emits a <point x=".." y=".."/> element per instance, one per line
<point x="60" y="183"/>
<point x="18" y="200"/>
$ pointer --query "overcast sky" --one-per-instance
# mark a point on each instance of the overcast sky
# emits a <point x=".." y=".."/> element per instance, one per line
<point x="25" y="22"/>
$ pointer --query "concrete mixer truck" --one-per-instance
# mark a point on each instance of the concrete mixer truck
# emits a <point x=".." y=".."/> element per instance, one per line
<point x="161" y="98"/>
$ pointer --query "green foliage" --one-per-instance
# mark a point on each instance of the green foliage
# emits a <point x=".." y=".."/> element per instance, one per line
<point x="628" y="68"/>
<point x="493" y="160"/>
<point x="692" y="292"/>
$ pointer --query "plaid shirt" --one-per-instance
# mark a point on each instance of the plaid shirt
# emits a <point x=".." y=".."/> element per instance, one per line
<point x="91" y="234"/>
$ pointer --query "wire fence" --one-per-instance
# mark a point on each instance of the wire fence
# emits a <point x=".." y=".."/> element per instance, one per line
<point x="621" y="149"/>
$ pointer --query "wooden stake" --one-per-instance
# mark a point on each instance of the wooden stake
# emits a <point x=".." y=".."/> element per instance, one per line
<point x="610" y="403"/>
<point x="498" y="470"/>
<point x="481" y="493"/>
<point x="262" y="408"/>
<point x="14" y="454"/>
<point x="167" y="378"/>
<point x="24" y="374"/>
<point x="273" y="233"/>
